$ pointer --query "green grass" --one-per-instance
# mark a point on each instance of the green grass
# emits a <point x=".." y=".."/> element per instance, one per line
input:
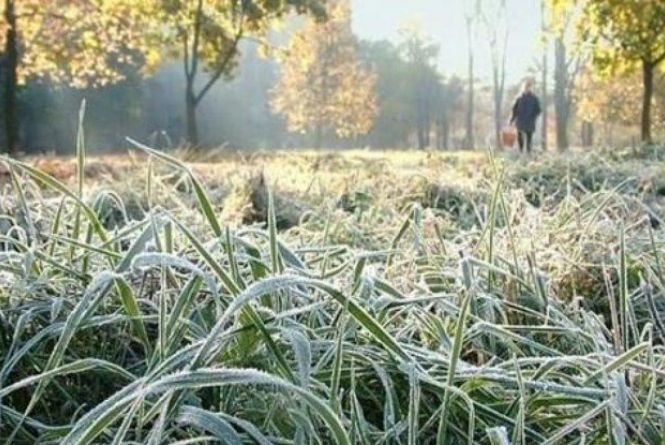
<point x="418" y="299"/>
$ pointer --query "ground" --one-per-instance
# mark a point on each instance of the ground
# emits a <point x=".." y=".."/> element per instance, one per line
<point x="379" y="288"/>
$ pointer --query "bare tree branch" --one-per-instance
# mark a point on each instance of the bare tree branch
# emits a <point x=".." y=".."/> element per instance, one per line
<point x="228" y="57"/>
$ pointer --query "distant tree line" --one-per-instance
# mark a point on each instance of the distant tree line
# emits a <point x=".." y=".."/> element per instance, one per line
<point x="95" y="43"/>
<point x="209" y="72"/>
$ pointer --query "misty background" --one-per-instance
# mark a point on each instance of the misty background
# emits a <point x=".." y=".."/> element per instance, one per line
<point x="444" y="22"/>
<point x="238" y="114"/>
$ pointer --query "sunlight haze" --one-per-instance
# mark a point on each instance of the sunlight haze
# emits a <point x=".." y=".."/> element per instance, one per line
<point x="443" y="22"/>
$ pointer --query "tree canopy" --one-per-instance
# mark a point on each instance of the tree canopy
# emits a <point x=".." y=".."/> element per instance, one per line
<point x="129" y="55"/>
<point x="324" y="88"/>
<point x="627" y="35"/>
<point x="205" y="35"/>
<point x="82" y="43"/>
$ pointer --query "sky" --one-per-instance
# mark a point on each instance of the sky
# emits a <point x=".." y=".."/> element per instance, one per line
<point x="443" y="21"/>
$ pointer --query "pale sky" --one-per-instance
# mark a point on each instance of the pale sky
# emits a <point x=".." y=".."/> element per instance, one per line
<point x="443" y="21"/>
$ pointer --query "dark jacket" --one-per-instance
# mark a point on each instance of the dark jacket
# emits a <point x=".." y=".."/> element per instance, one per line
<point x="525" y="112"/>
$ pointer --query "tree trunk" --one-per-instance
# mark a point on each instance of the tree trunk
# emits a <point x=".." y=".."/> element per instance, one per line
<point x="469" y="140"/>
<point x="545" y="108"/>
<point x="421" y="117"/>
<point x="498" y="54"/>
<point x="498" y="85"/>
<point x="498" y="111"/>
<point x="441" y="133"/>
<point x="587" y="134"/>
<point x="421" y="136"/>
<point x="610" y="135"/>
<point x="10" y="79"/>
<point x="192" y="123"/>
<point x="446" y="134"/>
<point x="497" y="126"/>
<point x="318" y="136"/>
<point x="561" y="104"/>
<point x="647" y="72"/>
<point x="544" y="99"/>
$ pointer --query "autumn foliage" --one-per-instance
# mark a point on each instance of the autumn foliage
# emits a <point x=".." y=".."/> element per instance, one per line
<point x="324" y="89"/>
<point x="94" y="43"/>
<point x="627" y="37"/>
<point x="82" y="42"/>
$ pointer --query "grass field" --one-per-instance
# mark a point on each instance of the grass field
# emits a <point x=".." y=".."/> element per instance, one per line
<point x="333" y="297"/>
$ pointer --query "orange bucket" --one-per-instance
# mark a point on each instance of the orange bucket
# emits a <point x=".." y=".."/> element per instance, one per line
<point x="508" y="137"/>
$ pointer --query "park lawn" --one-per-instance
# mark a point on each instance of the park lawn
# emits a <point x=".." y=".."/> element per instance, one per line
<point x="333" y="297"/>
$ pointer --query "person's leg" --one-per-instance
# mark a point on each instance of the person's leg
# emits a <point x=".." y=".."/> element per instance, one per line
<point x="520" y="140"/>
<point x="529" y="141"/>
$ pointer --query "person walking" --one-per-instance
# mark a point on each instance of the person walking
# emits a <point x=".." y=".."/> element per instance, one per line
<point x="526" y="110"/>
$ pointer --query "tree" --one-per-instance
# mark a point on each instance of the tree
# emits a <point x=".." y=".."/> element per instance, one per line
<point x="587" y="133"/>
<point x="493" y="14"/>
<point x="10" y="75"/>
<point x="324" y="89"/>
<point x="449" y="99"/>
<point x="80" y="43"/>
<point x="544" y="26"/>
<point x="566" y="69"/>
<point x="413" y="97"/>
<point x="562" y="93"/>
<point x="470" y="14"/>
<point x="628" y="36"/>
<point x="610" y="102"/>
<point x="420" y="54"/>
<point x="568" y="62"/>
<point x="205" y="35"/>
<point x="394" y="89"/>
